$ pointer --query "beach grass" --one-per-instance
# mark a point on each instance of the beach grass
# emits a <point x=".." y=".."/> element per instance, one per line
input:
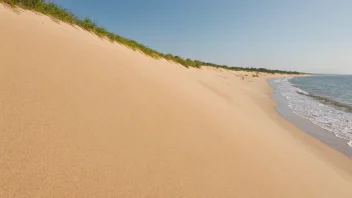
<point x="58" y="12"/>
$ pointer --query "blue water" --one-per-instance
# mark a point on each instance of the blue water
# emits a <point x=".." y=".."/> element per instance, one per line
<point x="337" y="89"/>
<point x="324" y="100"/>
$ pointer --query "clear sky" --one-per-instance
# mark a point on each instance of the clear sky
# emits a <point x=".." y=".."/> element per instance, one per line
<point x="303" y="35"/>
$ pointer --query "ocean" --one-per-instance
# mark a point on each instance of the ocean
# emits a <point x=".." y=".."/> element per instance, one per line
<point x="325" y="101"/>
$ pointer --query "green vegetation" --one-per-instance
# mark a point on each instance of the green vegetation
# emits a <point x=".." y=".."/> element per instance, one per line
<point x="48" y="8"/>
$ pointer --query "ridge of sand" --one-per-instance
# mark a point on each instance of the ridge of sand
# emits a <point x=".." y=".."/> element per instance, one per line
<point x="82" y="117"/>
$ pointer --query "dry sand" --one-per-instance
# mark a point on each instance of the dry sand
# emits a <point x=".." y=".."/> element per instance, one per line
<point x="82" y="117"/>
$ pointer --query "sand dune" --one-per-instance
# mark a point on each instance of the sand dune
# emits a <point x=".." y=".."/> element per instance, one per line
<point x="83" y="117"/>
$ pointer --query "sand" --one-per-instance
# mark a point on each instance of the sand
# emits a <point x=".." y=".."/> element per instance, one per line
<point x="83" y="117"/>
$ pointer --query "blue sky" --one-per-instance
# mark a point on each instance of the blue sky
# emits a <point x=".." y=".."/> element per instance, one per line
<point x="304" y="35"/>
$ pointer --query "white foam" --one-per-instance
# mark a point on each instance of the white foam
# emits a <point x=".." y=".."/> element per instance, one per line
<point x="350" y="143"/>
<point x="325" y="116"/>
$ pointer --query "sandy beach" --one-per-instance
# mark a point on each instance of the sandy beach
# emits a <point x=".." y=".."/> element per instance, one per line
<point x="83" y="117"/>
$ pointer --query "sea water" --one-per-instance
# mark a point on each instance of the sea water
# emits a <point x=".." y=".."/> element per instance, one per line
<point x="324" y="100"/>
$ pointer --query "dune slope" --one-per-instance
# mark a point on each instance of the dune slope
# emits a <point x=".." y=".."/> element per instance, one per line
<point x="83" y="117"/>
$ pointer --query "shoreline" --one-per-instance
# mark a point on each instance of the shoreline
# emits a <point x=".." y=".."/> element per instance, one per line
<point x="308" y="133"/>
<point x="307" y="126"/>
<point x="94" y="118"/>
